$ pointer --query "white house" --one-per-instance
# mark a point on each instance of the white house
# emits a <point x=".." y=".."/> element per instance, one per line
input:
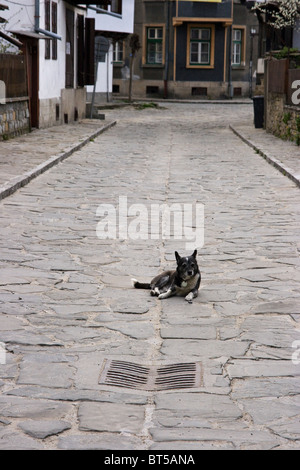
<point x="55" y="37"/>
<point x="61" y="41"/>
<point x="114" y="21"/>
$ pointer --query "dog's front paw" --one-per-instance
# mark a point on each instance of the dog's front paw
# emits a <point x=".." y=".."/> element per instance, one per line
<point x="162" y="296"/>
<point x="165" y="295"/>
<point x="189" y="297"/>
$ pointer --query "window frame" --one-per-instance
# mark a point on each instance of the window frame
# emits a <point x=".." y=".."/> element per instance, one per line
<point x="155" y="40"/>
<point x="51" y="25"/>
<point x="116" y="6"/>
<point x="47" y="28"/>
<point x="111" y="6"/>
<point x="54" y="14"/>
<point x="118" y="46"/>
<point x="190" y="41"/>
<point x="242" y="43"/>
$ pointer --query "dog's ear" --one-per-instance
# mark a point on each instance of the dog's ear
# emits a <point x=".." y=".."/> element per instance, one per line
<point x="178" y="258"/>
<point x="194" y="254"/>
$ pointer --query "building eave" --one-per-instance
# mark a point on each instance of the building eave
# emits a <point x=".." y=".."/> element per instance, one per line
<point x="178" y="21"/>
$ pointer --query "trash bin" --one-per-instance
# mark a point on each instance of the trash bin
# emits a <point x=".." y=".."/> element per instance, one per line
<point x="259" y="110"/>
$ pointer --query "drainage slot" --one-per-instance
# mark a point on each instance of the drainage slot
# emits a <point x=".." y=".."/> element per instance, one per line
<point x="152" y="378"/>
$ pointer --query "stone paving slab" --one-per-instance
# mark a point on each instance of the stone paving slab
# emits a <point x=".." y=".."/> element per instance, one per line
<point x="66" y="300"/>
<point x="283" y="155"/>
<point x="24" y="158"/>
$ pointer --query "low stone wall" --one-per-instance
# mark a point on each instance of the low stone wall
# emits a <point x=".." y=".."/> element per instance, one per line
<point x="282" y="120"/>
<point x="14" y="118"/>
<point x="180" y="90"/>
<point x="73" y="104"/>
<point x="64" y="109"/>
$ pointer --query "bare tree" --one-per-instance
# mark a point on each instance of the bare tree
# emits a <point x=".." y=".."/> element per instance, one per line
<point x="134" y="47"/>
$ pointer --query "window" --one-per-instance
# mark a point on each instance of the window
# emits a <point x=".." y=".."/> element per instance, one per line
<point x="200" y="46"/>
<point x="199" y="91"/>
<point x="238" y="46"/>
<point x="104" y="4"/>
<point x="154" y="46"/>
<point x="54" y="30"/>
<point x="118" y="52"/>
<point x="47" y="27"/>
<point x="51" y="25"/>
<point x="152" y="90"/>
<point x="116" y="6"/>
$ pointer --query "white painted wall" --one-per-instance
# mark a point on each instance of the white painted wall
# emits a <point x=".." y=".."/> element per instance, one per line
<point x="104" y="73"/>
<point x="104" y="78"/>
<point x="51" y="72"/>
<point x="2" y="92"/>
<point x="105" y="22"/>
<point x="20" y="15"/>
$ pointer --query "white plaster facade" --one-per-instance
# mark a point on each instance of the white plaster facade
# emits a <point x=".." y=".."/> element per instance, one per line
<point x="109" y="23"/>
<point x="56" y="102"/>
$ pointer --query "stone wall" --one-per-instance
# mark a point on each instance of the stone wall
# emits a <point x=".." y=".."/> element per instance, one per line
<point x="64" y="109"/>
<point x="73" y="104"/>
<point x="282" y="117"/>
<point x="180" y="89"/>
<point x="14" y="118"/>
<point x="282" y="120"/>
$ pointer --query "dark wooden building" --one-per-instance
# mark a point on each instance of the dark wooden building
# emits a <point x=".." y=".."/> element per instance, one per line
<point x="191" y="49"/>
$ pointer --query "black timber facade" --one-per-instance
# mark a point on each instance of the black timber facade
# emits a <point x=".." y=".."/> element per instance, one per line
<point x="190" y="50"/>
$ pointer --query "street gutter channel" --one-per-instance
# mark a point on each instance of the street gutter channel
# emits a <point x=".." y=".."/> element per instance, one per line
<point x="285" y="170"/>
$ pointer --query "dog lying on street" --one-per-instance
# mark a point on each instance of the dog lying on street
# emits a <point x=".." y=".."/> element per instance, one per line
<point x="184" y="281"/>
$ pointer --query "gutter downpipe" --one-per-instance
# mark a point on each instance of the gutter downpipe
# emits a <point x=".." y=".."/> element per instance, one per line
<point x="37" y="23"/>
<point x="166" y="72"/>
<point x="230" y="88"/>
<point x="107" y="72"/>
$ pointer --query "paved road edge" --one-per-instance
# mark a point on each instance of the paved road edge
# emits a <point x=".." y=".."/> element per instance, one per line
<point x="270" y="159"/>
<point x="19" y="181"/>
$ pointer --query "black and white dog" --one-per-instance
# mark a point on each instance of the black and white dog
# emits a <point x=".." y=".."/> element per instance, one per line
<point x="184" y="281"/>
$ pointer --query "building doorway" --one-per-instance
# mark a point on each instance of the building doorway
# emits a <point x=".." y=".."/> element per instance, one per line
<point x="31" y="51"/>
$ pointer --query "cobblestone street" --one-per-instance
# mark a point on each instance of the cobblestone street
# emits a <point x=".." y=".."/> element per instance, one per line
<point x="67" y="302"/>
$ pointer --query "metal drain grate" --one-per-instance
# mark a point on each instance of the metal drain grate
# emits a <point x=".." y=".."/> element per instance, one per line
<point x="152" y="378"/>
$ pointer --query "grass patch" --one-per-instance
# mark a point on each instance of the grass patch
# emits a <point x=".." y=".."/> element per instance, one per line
<point x="151" y="105"/>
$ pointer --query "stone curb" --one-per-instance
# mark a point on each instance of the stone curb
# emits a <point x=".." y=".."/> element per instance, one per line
<point x="174" y="100"/>
<point x="285" y="170"/>
<point x="19" y="181"/>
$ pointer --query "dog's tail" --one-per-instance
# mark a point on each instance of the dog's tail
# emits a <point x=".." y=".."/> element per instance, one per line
<point x="140" y="285"/>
